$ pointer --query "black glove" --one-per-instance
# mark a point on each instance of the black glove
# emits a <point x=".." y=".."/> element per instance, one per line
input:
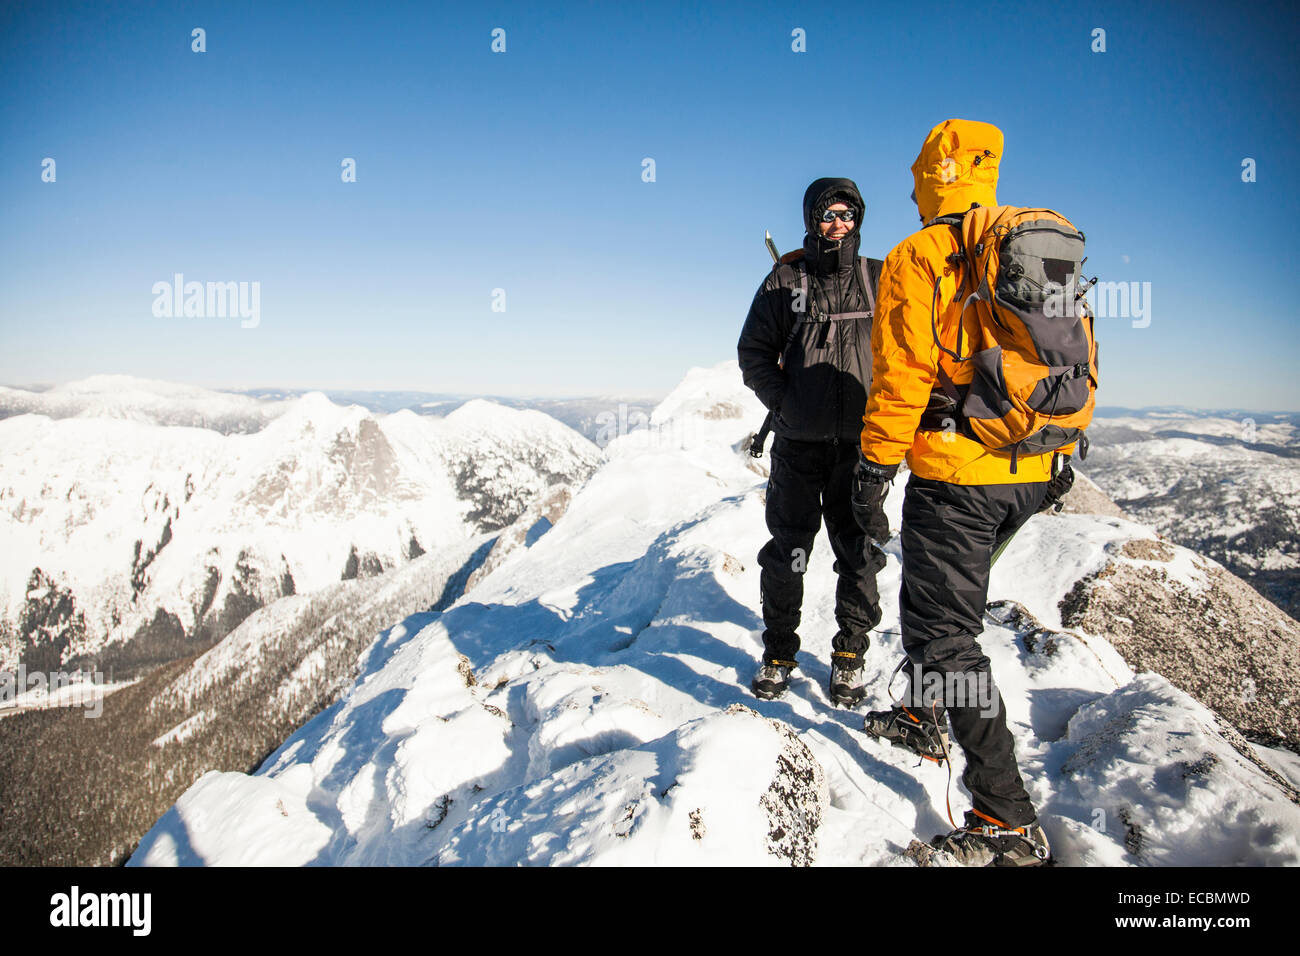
<point x="1057" y="489"/>
<point x="870" y="485"/>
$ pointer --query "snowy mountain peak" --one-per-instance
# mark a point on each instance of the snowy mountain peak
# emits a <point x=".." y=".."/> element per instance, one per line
<point x="165" y="535"/>
<point x="711" y="394"/>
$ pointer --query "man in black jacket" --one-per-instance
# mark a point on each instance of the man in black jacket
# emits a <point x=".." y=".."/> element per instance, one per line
<point x="806" y="352"/>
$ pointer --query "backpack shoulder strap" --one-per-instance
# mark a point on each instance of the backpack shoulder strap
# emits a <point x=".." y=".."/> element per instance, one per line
<point x="801" y="270"/>
<point x="793" y="270"/>
<point x="869" y="269"/>
<point x="958" y="223"/>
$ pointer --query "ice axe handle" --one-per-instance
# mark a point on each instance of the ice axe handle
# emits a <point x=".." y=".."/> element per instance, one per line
<point x="760" y="438"/>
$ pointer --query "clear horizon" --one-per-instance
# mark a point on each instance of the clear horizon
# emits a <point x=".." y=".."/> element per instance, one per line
<point x="37" y="387"/>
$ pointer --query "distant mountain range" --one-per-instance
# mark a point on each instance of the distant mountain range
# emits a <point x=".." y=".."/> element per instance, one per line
<point x="598" y="418"/>
<point x="143" y="520"/>
<point x="1225" y="484"/>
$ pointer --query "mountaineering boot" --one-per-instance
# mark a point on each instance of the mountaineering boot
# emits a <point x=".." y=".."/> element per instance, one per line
<point x="847" y="687"/>
<point x="984" y="841"/>
<point x="772" y="679"/>
<point x="916" y="732"/>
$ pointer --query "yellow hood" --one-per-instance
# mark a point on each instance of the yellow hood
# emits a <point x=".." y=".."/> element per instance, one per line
<point x="952" y="170"/>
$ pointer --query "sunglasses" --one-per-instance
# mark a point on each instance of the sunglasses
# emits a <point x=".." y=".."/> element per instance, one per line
<point x="844" y="215"/>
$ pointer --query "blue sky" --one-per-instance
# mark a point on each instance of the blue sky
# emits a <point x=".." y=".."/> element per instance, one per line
<point x="522" y="171"/>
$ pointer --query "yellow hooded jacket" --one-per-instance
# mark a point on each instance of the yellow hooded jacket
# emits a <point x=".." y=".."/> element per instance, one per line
<point x="949" y="179"/>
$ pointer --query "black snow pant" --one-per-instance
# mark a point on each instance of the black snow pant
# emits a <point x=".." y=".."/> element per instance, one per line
<point x="949" y="535"/>
<point x="810" y="481"/>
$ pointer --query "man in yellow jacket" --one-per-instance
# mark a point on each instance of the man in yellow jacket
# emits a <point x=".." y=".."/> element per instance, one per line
<point x="962" y="501"/>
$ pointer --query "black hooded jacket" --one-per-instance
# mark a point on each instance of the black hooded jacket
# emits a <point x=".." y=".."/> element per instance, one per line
<point x="821" y="393"/>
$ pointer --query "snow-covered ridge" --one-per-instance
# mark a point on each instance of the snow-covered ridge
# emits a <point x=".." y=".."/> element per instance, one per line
<point x="587" y="702"/>
<point x="122" y="530"/>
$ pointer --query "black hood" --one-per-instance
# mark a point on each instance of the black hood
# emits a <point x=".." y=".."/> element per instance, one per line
<point x="823" y="255"/>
